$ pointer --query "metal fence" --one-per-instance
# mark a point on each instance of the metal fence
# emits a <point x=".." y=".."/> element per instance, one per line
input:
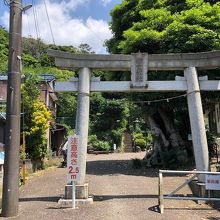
<point x="162" y="197"/>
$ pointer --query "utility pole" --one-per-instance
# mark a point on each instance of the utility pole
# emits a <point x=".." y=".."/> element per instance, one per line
<point x="12" y="140"/>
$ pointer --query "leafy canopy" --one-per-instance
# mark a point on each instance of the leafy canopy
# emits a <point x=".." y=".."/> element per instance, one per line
<point x="165" y="26"/>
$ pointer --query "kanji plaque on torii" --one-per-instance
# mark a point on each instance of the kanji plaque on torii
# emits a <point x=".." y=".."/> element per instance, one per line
<point x="139" y="69"/>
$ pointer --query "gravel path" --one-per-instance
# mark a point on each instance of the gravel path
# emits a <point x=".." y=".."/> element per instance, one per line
<point x="120" y="192"/>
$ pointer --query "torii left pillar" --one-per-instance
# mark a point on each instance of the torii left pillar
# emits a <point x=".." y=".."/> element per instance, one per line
<point x="82" y="125"/>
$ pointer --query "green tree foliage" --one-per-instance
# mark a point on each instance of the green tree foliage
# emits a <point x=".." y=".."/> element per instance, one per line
<point x="3" y="49"/>
<point x="66" y="112"/>
<point x="85" y="48"/>
<point x="36" y="119"/>
<point x="164" y="26"/>
<point x="34" y="47"/>
<point x="108" y="118"/>
<point x="36" y="137"/>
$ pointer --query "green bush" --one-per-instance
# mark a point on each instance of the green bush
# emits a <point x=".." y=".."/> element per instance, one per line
<point x="96" y="144"/>
<point x="139" y="140"/>
<point x="212" y="143"/>
<point x="117" y="135"/>
<point x="102" y="146"/>
<point x="141" y="143"/>
<point x="149" y="139"/>
<point x="92" y="139"/>
<point x="138" y="136"/>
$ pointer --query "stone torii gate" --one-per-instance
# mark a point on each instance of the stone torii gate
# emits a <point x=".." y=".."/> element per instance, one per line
<point x="139" y="65"/>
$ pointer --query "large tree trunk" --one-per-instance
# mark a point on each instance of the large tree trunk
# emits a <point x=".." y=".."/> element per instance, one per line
<point x="174" y="137"/>
<point x="155" y="156"/>
<point x="168" y="147"/>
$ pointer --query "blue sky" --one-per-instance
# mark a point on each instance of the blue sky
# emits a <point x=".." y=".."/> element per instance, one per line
<point x="72" y="21"/>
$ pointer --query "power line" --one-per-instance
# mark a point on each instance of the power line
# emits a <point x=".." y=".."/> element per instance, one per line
<point x="48" y="18"/>
<point x="6" y="2"/>
<point x="36" y="19"/>
<point x="28" y="22"/>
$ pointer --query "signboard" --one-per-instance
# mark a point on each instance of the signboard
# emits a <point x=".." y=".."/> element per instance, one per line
<point x="139" y="69"/>
<point x="73" y="173"/>
<point x="212" y="182"/>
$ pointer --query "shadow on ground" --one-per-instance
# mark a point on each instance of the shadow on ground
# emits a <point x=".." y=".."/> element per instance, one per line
<point x="111" y="197"/>
<point x="114" y="167"/>
<point x="125" y="167"/>
<point x="41" y="199"/>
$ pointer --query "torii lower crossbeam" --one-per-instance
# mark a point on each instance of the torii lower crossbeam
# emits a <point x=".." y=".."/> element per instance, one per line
<point x="125" y="86"/>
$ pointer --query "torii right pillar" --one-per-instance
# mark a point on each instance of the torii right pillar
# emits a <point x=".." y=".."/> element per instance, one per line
<point x="199" y="138"/>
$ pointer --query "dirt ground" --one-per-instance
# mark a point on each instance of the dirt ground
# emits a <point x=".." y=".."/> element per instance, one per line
<point x="119" y="191"/>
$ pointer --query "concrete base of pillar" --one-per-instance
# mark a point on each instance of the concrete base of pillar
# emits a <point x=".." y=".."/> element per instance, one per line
<point x="67" y="203"/>
<point x="198" y="190"/>
<point x="82" y="196"/>
<point x="82" y="191"/>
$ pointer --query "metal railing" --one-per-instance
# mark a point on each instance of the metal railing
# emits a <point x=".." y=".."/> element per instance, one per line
<point x="162" y="197"/>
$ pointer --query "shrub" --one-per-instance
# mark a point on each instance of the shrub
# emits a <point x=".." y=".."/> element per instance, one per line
<point x="117" y="136"/>
<point x="141" y="143"/>
<point x="149" y="140"/>
<point x="139" y="140"/>
<point x="96" y="144"/>
<point x="102" y="146"/>
<point x="92" y="139"/>
<point x="138" y="136"/>
<point x="36" y="137"/>
<point x="212" y="144"/>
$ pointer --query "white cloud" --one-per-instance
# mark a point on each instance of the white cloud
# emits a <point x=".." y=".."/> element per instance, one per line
<point x="105" y="2"/>
<point x="5" y="19"/>
<point x="72" y="4"/>
<point x="67" y="30"/>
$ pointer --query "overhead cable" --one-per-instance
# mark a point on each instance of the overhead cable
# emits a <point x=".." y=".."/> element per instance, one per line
<point x="48" y="18"/>
<point x="36" y="19"/>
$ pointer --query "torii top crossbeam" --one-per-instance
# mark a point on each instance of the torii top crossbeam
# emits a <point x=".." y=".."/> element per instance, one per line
<point x="119" y="62"/>
<point x="138" y="64"/>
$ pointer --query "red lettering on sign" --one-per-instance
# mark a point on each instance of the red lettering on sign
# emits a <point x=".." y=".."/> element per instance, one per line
<point x="72" y="170"/>
<point x="74" y="154"/>
<point x="73" y="166"/>
<point x="73" y="176"/>
<point x="73" y="141"/>
<point x="74" y="161"/>
<point x="74" y="147"/>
